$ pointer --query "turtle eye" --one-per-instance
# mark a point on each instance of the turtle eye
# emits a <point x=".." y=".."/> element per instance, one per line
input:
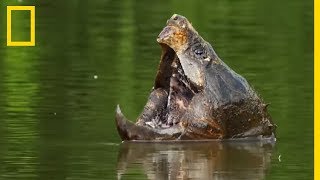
<point x="198" y="52"/>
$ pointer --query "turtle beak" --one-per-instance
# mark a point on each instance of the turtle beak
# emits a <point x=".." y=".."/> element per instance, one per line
<point x="122" y="124"/>
<point x="130" y="131"/>
<point x="165" y="34"/>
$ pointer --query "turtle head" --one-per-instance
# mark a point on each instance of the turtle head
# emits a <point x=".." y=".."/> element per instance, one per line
<point x="176" y="33"/>
<point x="193" y="51"/>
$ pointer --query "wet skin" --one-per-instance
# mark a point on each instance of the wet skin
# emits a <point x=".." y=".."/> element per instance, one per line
<point x="196" y="95"/>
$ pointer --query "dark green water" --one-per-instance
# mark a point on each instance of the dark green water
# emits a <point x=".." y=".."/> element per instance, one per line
<point x="57" y="119"/>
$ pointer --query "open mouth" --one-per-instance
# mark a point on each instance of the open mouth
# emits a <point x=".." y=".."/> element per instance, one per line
<point x="172" y="94"/>
<point x="179" y="89"/>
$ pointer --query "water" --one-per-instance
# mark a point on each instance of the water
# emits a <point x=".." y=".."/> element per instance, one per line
<point x="57" y="99"/>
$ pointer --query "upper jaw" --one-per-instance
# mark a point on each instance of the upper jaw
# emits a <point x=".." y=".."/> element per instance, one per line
<point x="171" y="47"/>
<point x="165" y="34"/>
<point x="174" y="37"/>
<point x="175" y="34"/>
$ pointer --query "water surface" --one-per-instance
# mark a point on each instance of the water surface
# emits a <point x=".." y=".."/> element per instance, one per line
<point x="57" y="99"/>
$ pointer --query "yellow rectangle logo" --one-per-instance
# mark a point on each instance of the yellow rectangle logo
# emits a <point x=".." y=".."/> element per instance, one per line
<point x="32" y="26"/>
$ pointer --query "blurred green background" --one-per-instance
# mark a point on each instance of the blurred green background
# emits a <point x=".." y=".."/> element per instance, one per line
<point x="57" y="99"/>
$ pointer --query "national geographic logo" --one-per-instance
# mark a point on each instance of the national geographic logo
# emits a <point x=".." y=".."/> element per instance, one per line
<point x="32" y="26"/>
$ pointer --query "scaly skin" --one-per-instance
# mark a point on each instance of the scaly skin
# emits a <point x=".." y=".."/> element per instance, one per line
<point x="220" y="104"/>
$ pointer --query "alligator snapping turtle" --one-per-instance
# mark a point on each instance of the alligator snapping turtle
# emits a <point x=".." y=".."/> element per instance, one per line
<point x="196" y="95"/>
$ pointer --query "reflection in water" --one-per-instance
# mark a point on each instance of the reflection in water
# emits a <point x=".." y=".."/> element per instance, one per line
<point x="197" y="160"/>
<point x="54" y="114"/>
